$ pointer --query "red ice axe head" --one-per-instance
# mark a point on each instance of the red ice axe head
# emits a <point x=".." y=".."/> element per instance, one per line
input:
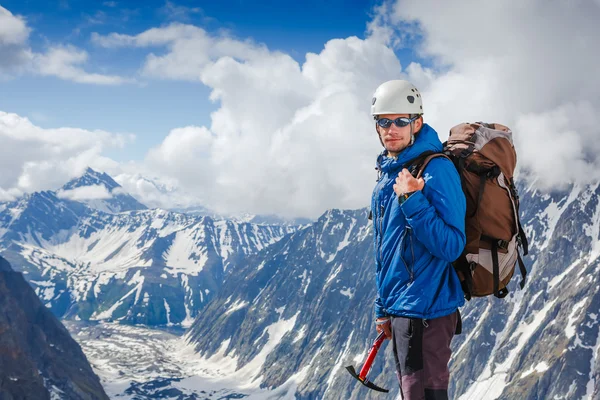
<point x="362" y="376"/>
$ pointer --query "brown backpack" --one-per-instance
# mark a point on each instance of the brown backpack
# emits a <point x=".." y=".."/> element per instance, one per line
<point x="485" y="158"/>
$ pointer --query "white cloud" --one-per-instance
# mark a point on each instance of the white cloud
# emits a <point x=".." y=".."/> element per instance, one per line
<point x="177" y="12"/>
<point x="13" y="36"/>
<point x="62" y="61"/>
<point x="94" y="192"/>
<point x="296" y="138"/>
<point x="13" y="29"/>
<point x="287" y="138"/>
<point x="191" y="49"/>
<point x="152" y="190"/>
<point x="33" y="158"/>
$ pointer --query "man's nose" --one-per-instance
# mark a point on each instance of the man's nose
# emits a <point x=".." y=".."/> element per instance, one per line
<point x="393" y="129"/>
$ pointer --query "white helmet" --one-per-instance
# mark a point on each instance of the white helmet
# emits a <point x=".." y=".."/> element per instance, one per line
<point x="396" y="97"/>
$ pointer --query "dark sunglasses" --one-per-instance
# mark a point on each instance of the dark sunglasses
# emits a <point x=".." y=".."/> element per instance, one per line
<point x="400" y="122"/>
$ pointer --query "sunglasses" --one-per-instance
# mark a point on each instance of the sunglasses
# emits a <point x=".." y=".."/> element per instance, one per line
<point x="400" y="122"/>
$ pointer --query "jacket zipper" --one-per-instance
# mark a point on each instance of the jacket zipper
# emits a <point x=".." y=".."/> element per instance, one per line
<point x="382" y="211"/>
<point x="412" y="251"/>
<point x="400" y="249"/>
<point x="379" y="218"/>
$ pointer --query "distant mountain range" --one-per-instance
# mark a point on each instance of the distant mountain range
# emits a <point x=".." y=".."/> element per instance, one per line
<point x="95" y="256"/>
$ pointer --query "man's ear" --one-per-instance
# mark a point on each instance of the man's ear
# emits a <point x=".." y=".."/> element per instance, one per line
<point x="419" y="124"/>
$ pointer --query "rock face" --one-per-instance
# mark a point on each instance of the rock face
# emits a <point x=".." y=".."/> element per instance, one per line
<point x="38" y="357"/>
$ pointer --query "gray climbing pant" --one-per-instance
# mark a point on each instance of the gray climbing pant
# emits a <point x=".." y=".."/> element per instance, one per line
<point x="422" y="352"/>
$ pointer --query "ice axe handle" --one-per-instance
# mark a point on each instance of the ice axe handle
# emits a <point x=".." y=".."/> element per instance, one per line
<point x="372" y="353"/>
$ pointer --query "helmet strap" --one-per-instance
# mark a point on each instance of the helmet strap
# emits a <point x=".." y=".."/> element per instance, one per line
<point x="379" y="135"/>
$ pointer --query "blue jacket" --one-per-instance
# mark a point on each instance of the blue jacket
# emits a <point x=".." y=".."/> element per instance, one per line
<point x="416" y="241"/>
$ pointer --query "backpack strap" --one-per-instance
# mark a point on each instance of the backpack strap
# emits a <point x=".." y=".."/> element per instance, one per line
<point x="522" y="237"/>
<point x="496" y="244"/>
<point x="523" y="270"/>
<point x="423" y="160"/>
<point x="415" y="163"/>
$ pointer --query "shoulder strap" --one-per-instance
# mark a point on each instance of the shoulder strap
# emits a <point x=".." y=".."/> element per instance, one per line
<point x="430" y="157"/>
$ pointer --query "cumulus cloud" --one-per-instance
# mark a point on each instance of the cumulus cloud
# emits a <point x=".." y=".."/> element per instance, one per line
<point x="191" y="49"/>
<point x="296" y="138"/>
<point x="13" y="36"/>
<point x="287" y="138"/>
<point x="13" y="29"/>
<point x="531" y="67"/>
<point x="33" y="158"/>
<point x="62" y="61"/>
<point x="152" y="190"/>
<point x="94" y="192"/>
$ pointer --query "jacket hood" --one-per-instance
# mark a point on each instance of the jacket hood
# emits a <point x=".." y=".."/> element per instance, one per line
<point x="426" y="140"/>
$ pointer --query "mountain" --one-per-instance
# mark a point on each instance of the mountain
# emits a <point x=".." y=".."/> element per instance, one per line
<point x="143" y="266"/>
<point x="300" y="310"/>
<point x="38" y="357"/>
<point x="285" y="309"/>
<point x="100" y="191"/>
<point x="543" y="342"/>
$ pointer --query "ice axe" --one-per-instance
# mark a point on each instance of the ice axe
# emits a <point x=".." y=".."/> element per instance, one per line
<point x="362" y="376"/>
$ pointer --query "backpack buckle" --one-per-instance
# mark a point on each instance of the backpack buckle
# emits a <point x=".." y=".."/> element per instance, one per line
<point x="503" y="244"/>
<point x="472" y="266"/>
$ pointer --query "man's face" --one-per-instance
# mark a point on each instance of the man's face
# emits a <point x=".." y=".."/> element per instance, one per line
<point x="397" y="139"/>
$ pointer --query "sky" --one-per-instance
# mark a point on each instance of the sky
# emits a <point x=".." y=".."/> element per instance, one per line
<point x="263" y="106"/>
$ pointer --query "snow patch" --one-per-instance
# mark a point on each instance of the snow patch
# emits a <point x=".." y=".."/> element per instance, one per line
<point x="540" y="368"/>
<point x="557" y="279"/>
<point x="238" y="305"/>
<point x="301" y="334"/>
<point x="573" y="317"/>
<point x="168" y="311"/>
<point x="184" y="255"/>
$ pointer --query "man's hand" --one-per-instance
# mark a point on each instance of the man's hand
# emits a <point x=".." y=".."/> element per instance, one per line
<point x="406" y="183"/>
<point x="384" y="326"/>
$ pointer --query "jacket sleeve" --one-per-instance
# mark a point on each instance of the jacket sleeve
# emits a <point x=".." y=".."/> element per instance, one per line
<point x="437" y="213"/>
<point x="379" y="313"/>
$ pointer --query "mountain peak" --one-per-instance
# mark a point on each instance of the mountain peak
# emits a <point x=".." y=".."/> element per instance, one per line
<point x="100" y="191"/>
<point x="92" y="178"/>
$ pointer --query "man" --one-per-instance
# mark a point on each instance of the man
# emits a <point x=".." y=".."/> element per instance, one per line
<point x="419" y="227"/>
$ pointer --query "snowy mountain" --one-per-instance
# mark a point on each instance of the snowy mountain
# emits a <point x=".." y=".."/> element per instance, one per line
<point x="301" y="310"/>
<point x="38" y="357"/>
<point x="100" y="191"/>
<point x="543" y="343"/>
<point x="284" y="310"/>
<point x="143" y="266"/>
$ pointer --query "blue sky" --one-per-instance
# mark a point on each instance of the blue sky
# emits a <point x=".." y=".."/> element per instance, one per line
<point x="151" y="109"/>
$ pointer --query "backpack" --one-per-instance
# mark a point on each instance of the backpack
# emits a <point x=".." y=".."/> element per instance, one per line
<point x="485" y="158"/>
